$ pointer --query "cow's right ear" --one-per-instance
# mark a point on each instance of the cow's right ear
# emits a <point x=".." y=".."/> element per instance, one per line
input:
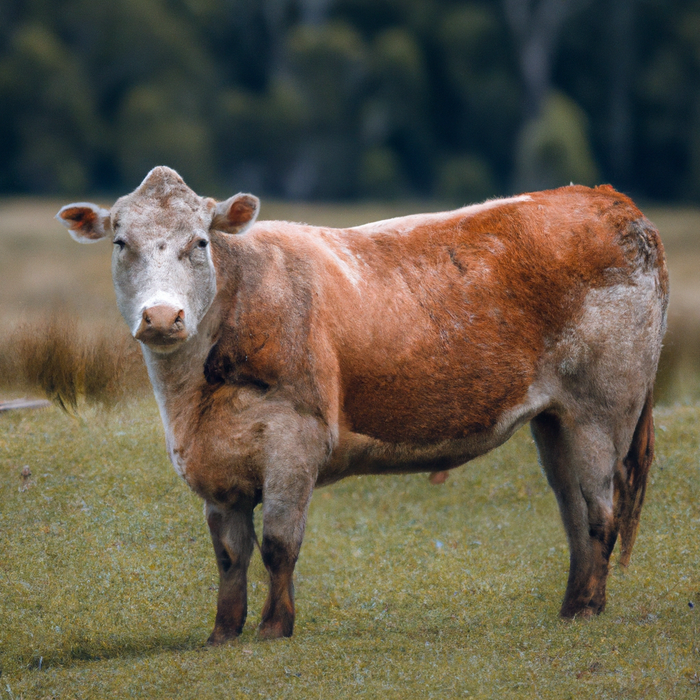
<point x="85" y="222"/>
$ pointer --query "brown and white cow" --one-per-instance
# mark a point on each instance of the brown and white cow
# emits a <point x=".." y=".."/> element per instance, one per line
<point x="285" y="356"/>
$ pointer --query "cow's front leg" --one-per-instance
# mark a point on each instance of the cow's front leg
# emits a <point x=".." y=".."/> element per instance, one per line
<point x="284" y="520"/>
<point x="233" y="537"/>
<point x="296" y="447"/>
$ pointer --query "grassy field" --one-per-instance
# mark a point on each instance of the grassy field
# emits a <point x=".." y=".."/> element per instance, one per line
<point x="108" y="582"/>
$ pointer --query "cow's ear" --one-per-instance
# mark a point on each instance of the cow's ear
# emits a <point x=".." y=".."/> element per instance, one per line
<point x="236" y="214"/>
<point x="85" y="222"/>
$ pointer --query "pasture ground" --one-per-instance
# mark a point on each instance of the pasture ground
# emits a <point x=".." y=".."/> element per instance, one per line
<point x="108" y="582"/>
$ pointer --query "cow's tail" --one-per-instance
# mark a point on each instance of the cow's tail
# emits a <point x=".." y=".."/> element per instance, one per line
<point x="631" y="481"/>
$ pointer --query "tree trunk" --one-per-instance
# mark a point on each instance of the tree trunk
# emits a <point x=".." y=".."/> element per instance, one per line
<point x="537" y="26"/>
<point x="621" y="67"/>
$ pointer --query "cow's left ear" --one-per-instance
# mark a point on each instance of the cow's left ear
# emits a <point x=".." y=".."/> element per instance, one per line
<point x="237" y="214"/>
<point x="85" y="222"/>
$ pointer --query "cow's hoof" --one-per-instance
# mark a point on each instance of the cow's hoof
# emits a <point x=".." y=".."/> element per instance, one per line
<point x="220" y="636"/>
<point x="582" y="612"/>
<point x="275" y="629"/>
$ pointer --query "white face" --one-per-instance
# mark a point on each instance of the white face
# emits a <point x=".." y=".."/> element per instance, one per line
<point x="162" y="267"/>
<point x="162" y="257"/>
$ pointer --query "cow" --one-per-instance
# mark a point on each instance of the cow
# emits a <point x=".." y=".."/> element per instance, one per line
<point x="285" y="356"/>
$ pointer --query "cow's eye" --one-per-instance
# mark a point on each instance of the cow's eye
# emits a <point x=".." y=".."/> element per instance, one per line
<point x="202" y="243"/>
<point x="120" y="242"/>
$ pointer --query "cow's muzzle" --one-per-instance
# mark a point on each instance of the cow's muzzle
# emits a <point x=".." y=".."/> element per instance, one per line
<point x="162" y="326"/>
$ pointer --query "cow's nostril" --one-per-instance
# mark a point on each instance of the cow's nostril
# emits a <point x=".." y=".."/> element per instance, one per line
<point x="162" y="324"/>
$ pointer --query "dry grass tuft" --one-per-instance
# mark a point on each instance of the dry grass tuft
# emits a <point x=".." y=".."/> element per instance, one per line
<point x="70" y="364"/>
<point x="678" y="378"/>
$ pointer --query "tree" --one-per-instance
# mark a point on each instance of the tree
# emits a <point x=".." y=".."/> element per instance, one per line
<point x="50" y="122"/>
<point x="621" y="76"/>
<point x="546" y="156"/>
<point x="536" y="26"/>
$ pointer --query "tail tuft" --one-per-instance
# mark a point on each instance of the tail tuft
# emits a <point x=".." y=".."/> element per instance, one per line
<point x="631" y="481"/>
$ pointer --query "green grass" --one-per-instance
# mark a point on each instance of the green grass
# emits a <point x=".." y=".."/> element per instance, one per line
<point x="108" y="581"/>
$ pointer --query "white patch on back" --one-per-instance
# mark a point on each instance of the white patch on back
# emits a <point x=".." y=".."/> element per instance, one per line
<point x="405" y="224"/>
<point x="346" y="260"/>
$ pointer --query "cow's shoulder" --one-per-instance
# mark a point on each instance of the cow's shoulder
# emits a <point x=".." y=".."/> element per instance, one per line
<point x="265" y="297"/>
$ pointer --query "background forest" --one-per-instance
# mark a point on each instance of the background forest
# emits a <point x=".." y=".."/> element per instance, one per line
<point x="347" y="99"/>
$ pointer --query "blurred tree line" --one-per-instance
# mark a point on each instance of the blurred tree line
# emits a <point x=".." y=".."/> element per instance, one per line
<point x="377" y="99"/>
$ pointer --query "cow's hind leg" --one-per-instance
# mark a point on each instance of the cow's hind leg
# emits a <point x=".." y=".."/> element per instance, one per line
<point x="580" y="462"/>
<point x="233" y="537"/>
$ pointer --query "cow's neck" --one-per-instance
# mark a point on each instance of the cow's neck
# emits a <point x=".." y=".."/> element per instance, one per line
<point x="176" y="377"/>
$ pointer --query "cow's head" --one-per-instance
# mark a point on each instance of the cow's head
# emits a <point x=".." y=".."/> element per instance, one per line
<point x="163" y="272"/>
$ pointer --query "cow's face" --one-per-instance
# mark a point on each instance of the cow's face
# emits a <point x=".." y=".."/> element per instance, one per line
<point x="162" y="267"/>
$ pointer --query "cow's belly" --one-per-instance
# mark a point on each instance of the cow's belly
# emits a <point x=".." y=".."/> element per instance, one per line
<point x="221" y="444"/>
<point x="358" y="453"/>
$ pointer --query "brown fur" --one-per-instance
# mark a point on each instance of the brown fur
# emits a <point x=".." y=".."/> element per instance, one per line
<point x="454" y="382"/>
<point x="419" y="371"/>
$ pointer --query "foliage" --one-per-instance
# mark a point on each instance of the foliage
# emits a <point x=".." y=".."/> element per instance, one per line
<point x="553" y="148"/>
<point x="337" y="99"/>
<point x="465" y="179"/>
<point x="108" y="584"/>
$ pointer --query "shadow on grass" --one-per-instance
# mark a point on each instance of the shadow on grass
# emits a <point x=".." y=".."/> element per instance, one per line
<point x="77" y="648"/>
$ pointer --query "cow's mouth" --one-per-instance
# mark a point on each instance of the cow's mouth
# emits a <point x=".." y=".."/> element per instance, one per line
<point x="159" y="342"/>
